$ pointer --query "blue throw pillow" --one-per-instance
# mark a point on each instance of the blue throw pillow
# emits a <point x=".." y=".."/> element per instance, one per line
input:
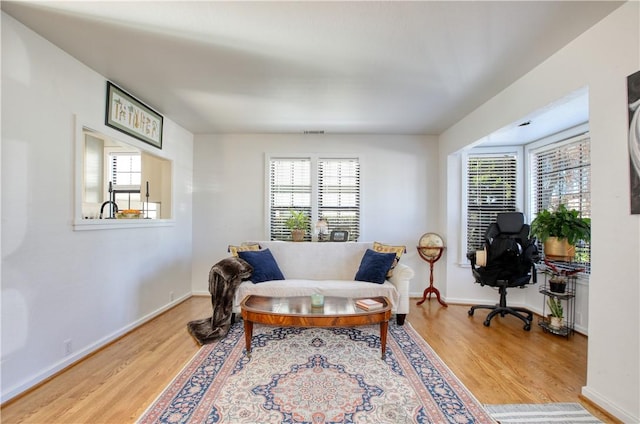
<point x="265" y="267"/>
<point x="375" y="266"/>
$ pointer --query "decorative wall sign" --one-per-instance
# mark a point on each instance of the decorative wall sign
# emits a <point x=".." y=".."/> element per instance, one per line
<point x="129" y="115"/>
<point x="633" y="97"/>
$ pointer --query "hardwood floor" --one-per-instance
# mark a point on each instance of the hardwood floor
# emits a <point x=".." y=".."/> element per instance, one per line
<point x="499" y="364"/>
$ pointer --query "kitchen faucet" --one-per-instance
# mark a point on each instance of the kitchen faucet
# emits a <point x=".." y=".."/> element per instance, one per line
<point x="113" y="210"/>
<point x="112" y="201"/>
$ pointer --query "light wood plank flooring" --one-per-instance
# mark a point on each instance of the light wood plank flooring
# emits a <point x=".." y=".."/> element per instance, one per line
<point x="499" y="364"/>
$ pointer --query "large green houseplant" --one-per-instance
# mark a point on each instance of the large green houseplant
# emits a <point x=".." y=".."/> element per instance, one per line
<point x="560" y="230"/>
<point x="298" y="223"/>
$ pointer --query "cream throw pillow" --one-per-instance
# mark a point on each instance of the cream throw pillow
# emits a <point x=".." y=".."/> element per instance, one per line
<point x="384" y="248"/>
<point x="243" y="248"/>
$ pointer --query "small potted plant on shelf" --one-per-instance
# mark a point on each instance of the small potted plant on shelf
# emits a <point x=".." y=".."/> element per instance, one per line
<point x="559" y="277"/>
<point x="559" y="231"/>
<point x="558" y="283"/>
<point x="558" y="280"/>
<point x="556" y="318"/>
<point x="298" y="223"/>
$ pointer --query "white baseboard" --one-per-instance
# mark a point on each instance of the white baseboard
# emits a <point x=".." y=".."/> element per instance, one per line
<point x="79" y="355"/>
<point x="457" y="301"/>
<point x="608" y="406"/>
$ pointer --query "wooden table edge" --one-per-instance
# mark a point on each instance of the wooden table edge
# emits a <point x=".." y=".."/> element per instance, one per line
<point x="367" y="317"/>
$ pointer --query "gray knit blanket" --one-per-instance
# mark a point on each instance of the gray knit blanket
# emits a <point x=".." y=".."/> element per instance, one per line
<point x="224" y="279"/>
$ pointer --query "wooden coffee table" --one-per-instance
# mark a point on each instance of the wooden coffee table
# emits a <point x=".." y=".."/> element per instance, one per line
<point x="298" y="312"/>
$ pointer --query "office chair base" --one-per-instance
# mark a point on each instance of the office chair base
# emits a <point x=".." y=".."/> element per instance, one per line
<point x="504" y="310"/>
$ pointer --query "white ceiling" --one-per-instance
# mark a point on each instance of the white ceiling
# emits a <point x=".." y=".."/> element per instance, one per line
<point x="288" y="67"/>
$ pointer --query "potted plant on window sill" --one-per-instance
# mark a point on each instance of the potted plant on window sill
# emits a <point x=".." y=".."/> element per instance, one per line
<point x="559" y="231"/>
<point x="298" y="223"/>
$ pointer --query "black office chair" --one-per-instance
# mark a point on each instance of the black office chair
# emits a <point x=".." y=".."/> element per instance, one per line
<point x="508" y="260"/>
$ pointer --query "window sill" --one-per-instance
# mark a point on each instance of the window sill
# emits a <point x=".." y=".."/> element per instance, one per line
<point x="116" y="224"/>
<point x="583" y="279"/>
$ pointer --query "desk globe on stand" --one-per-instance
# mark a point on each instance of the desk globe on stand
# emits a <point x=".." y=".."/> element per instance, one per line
<point x="430" y="248"/>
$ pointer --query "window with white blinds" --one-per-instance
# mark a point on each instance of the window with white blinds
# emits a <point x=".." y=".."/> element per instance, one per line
<point x="561" y="174"/>
<point x="126" y="169"/>
<point x="327" y="188"/>
<point x="289" y="189"/>
<point x="93" y="169"/>
<point x="491" y="188"/>
<point x="339" y="194"/>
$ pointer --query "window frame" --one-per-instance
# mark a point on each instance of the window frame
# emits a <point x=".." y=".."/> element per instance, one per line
<point x="556" y="141"/>
<point x="354" y="231"/>
<point x="85" y="124"/>
<point x="516" y="151"/>
<point x="268" y="191"/>
<point x="314" y="159"/>
<point x="559" y="139"/>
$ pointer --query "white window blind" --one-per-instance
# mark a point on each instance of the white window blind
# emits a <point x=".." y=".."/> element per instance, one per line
<point x="289" y="189"/>
<point x="126" y="169"/>
<point x="126" y="175"/>
<point x="93" y="169"/>
<point x="339" y="194"/>
<point x="491" y="188"/>
<point x="561" y="174"/>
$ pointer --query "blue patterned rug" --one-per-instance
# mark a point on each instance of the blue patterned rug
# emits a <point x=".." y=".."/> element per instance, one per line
<point x="317" y="375"/>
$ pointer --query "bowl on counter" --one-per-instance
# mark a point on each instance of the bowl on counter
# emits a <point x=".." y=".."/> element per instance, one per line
<point x="129" y="214"/>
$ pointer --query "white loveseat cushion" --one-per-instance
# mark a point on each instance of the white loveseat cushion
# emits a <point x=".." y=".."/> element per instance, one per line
<point x="317" y="261"/>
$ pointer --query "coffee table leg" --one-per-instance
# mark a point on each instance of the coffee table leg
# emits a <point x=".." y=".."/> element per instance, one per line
<point x="384" y="326"/>
<point x="248" y="333"/>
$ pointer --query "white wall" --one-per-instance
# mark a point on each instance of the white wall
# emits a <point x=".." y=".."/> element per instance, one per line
<point x="600" y="59"/>
<point x="59" y="284"/>
<point x="398" y="182"/>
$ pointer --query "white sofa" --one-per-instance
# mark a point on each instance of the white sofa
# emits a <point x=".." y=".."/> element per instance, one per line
<point x="327" y="268"/>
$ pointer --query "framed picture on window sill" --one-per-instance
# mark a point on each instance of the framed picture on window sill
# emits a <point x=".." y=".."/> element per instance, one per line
<point x="339" y="235"/>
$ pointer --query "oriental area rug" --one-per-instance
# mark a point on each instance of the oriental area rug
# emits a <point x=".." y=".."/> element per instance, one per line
<point x="317" y="375"/>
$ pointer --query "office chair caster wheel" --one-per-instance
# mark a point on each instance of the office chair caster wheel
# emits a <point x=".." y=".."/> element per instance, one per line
<point x="470" y="312"/>
<point x="527" y="327"/>
<point x="487" y="323"/>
